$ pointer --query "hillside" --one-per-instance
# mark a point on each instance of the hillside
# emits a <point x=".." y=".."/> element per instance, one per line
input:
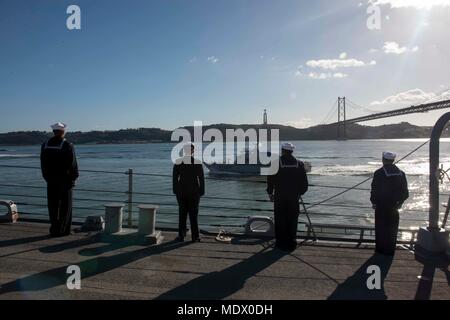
<point x="402" y="130"/>
<point x="148" y="135"/>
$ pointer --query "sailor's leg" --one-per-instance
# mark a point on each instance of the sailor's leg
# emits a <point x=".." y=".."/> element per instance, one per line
<point x="281" y="223"/>
<point x="292" y="223"/>
<point x="393" y="231"/>
<point x="53" y="208"/>
<point x="182" y="216"/>
<point x="65" y="211"/>
<point x="386" y="227"/>
<point x="193" y="217"/>
<point x="379" y="230"/>
<point x="277" y="221"/>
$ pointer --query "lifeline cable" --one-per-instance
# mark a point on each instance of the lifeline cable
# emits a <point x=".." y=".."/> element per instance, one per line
<point x="309" y="220"/>
<point x="362" y="182"/>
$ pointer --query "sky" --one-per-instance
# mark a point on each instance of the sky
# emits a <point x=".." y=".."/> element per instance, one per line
<point x="168" y="63"/>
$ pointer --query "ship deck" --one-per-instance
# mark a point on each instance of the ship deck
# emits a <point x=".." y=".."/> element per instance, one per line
<point x="34" y="266"/>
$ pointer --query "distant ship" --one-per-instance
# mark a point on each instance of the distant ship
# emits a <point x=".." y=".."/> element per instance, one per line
<point x="241" y="164"/>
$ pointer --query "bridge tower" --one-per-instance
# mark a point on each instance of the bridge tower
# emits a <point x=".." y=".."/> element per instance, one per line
<point x="342" y="126"/>
<point x="265" y="117"/>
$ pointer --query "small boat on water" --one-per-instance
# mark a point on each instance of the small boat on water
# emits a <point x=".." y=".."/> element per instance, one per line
<point x="234" y="169"/>
<point x="244" y="164"/>
<point x="240" y="166"/>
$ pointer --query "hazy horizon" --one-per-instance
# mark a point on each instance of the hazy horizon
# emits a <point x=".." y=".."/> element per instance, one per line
<point x="204" y="125"/>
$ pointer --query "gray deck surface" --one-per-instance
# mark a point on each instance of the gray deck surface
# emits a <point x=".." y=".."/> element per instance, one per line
<point x="33" y="266"/>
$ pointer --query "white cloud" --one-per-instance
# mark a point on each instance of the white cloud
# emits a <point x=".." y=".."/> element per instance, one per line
<point x="330" y="66"/>
<point x="408" y="98"/>
<point x="333" y="64"/>
<point x="327" y="75"/>
<point x="418" y="4"/>
<point x="340" y="75"/>
<point x="319" y="76"/>
<point x="342" y="62"/>
<point x="391" y="47"/>
<point x="213" y="59"/>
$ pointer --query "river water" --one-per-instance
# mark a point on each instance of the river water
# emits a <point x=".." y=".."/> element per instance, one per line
<point x="336" y="164"/>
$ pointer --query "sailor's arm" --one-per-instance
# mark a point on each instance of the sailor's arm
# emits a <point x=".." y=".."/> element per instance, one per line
<point x="43" y="164"/>
<point x="175" y="176"/>
<point x="405" y="191"/>
<point x="74" y="174"/>
<point x="374" y="190"/>
<point x="270" y="186"/>
<point x="303" y="179"/>
<point x="201" y="179"/>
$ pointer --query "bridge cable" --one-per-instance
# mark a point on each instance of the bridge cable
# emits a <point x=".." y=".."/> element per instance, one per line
<point x="330" y="113"/>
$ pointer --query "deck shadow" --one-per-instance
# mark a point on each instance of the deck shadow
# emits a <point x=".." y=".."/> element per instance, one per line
<point x="14" y="242"/>
<point x="111" y="244"/>
<point x="55" y="248"/>
<point x="222" y="284"/>
<point x="244" y="241"/>
<point x="430" y="264"/>
<point x="355" y="287"/>
<point x="89" y="268"/>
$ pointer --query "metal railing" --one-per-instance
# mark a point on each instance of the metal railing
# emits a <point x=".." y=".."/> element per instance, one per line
<point x="357" y="233"/>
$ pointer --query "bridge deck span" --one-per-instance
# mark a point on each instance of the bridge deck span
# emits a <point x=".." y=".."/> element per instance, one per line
<point x="400" y="112"/>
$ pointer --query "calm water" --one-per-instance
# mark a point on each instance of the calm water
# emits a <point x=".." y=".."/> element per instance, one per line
<point x="343" y="163"/>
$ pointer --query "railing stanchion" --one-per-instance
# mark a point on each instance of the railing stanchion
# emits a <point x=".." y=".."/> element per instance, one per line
<point x="130" y="198"/>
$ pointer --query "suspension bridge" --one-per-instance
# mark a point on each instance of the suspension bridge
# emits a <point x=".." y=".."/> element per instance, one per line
<point x="341" y="104"/>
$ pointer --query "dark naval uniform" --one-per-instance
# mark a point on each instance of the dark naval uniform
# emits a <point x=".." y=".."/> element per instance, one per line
<point x="188" y="186"/>
<point x="389" y="191"/>
<point x="287" y="186"/>
<point x="60" y="170"/>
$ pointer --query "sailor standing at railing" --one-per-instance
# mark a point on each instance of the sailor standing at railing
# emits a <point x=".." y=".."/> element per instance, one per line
<point x="188" y="186"/>
<point x="389" y="192"/>
<point x="60" y="171"/>
<point x="285" y="189"/>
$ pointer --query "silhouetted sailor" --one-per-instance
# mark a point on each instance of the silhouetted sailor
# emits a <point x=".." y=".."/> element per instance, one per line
<point x="60" y="171"/>
<point x="389" y="191"/>
<point x="189" y="187"/>
<point x="285" y="189"/>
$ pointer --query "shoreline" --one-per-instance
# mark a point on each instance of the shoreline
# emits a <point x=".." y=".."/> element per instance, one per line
<point x="444" y="139"/>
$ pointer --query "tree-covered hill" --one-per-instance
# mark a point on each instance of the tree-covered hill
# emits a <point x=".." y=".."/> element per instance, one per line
<point x="149" y="135"/>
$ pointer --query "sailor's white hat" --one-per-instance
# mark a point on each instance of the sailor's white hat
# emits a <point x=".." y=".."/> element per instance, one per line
<point x="59" y="126"/>
<point x="187" y="148"/>
<point x="287" y="146"/>
<point x="389" y="156"/>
